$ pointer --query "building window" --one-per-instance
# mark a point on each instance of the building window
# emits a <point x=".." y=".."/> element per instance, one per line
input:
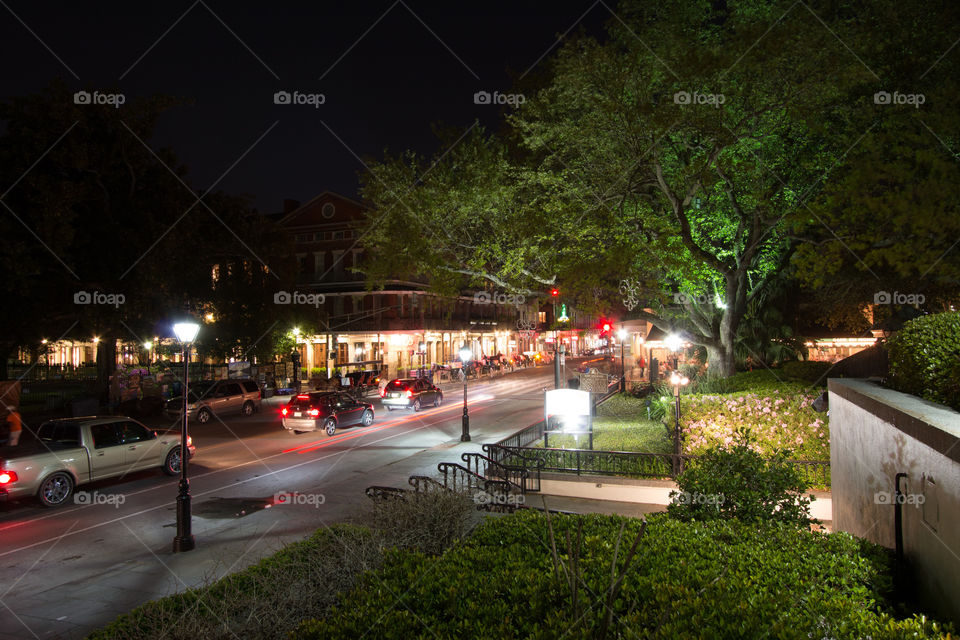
<point x="542" y="317"/>
<point x="342" y="356"/>
<point x="338" y="235"/>
<point x="359" y="351"/>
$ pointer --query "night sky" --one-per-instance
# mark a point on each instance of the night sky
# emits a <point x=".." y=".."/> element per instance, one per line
<point x="387" y="71"/>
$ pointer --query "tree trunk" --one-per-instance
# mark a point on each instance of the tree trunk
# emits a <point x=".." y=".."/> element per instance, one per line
<point x="721" y="361"/>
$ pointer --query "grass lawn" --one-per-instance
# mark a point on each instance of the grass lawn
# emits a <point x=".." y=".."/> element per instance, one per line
<point x="620" y="425"/>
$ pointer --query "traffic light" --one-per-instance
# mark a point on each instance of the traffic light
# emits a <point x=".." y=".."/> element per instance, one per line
<point x="554" y="292"/>
<point x="606" y="327"/>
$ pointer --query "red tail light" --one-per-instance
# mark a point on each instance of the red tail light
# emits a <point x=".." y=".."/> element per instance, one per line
<point x="314" y="412"/>
<point x="303" y="397"/>
<point x="409" y="393"/>
<point x="283" y="411"/>
<point x="6" y="477"/>
<point x="189" y="441"/>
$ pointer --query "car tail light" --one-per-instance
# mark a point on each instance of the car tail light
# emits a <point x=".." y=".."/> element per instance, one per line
<point x="314" y="412"/>
<point x="283" y="411"/>
<point x="409" y="393"/>
<point x="303" y="397"/>
<point x="189" y="441"/>
<point x="6" y="477"/>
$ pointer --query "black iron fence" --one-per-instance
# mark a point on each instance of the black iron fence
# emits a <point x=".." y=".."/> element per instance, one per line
<point x="518" y="450"/>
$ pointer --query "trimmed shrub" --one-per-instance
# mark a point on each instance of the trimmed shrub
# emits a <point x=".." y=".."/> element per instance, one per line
<point x="925" y="358"/>
<point x="737" y="482"/>
<point x="809" y="371"/>
<point x="777" y="421"/>
<point x="519" y="577"/>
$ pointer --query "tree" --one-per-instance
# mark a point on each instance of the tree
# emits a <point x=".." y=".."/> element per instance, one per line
<point x="670" y="153"/>
<point x="92" y="210"/>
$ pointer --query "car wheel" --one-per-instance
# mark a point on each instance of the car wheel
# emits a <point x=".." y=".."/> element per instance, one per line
<point x="331" y="427"/>
<point x="248" y="408"/>
<point x="296" y="431"/>
<point x="204" y="415"/>
<point x="171" y="466"/>
<point x="439" y="400"/>
<point x="56" y="489"/>
<point x="416" y="404"/>
<point x="367" y="418"/>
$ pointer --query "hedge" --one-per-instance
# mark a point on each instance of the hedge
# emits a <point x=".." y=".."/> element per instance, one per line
<point x="718" y="579"/>
<point x="925" y="358"/>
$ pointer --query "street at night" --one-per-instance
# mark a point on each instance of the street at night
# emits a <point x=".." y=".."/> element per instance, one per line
<point x="574" y="319"/>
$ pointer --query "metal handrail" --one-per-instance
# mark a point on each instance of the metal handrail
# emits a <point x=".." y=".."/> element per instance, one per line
<point x="517" y="475"/>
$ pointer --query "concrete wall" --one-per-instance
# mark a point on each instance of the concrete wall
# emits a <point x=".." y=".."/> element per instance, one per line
<point x="877" y="433"/>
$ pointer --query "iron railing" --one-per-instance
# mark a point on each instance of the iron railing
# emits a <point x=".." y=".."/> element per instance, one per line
<point x="517" y="476"/>
<point x="626" y="463"/>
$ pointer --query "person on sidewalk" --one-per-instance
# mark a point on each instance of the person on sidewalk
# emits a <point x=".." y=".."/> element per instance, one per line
<point x="643" y="365"/>
<point x="14" y="423"/>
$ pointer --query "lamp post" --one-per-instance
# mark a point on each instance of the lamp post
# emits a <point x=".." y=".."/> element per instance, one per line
<point x="465" y="356"/>
<point x="622" y="334"/>
<point x="186" y="333"/>
<point x="677" y="381"/>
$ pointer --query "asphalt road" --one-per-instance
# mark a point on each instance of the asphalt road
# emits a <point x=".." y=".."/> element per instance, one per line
<point x="66" y="571"/>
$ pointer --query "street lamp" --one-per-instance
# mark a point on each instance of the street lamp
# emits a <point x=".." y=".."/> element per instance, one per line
<point x="677" y="381"/>
<point x="622" y="334"/>
<point x="186" y="333"/>
<point x="465" y="356"/>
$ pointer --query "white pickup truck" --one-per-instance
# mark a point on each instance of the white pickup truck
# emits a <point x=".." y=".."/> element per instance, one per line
<point x="75" y="451"/>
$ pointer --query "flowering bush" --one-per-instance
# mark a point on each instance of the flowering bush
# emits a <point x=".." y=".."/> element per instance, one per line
<point x="778" y="421"/>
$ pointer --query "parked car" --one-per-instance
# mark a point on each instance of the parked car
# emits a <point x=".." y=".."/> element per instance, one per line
<point x="74" y="451"/>
<point x="327" y="410"/>
<point x="222" y="397"/>
<point x="410" y="393"/>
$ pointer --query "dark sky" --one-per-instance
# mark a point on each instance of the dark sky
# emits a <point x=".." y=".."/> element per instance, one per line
<point x="386" y="71"/>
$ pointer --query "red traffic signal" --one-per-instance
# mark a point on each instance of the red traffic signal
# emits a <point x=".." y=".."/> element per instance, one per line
<point x="554" y="292"/>
<point x="606" y="327"/>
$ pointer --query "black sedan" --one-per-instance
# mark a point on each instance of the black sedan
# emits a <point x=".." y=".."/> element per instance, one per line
<point x="327" y="410"/>
<point x="410" y="393"/>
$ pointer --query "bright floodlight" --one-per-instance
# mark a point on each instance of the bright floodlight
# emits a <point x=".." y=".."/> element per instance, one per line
<point x="465" y="355"/>
<point x="148" y="345"/>
<point x="674" y="378"/>
<point x="186" y="331"/>
<point x="296" y="331"/>
<point x="622" y="334"/>
<point x="673" y="342"/>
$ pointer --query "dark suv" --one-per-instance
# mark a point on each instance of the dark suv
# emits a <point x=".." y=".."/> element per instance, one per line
<point x="410" y="393"/>
<point x="218" y="398"/>
<point x="326" y="410"/>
